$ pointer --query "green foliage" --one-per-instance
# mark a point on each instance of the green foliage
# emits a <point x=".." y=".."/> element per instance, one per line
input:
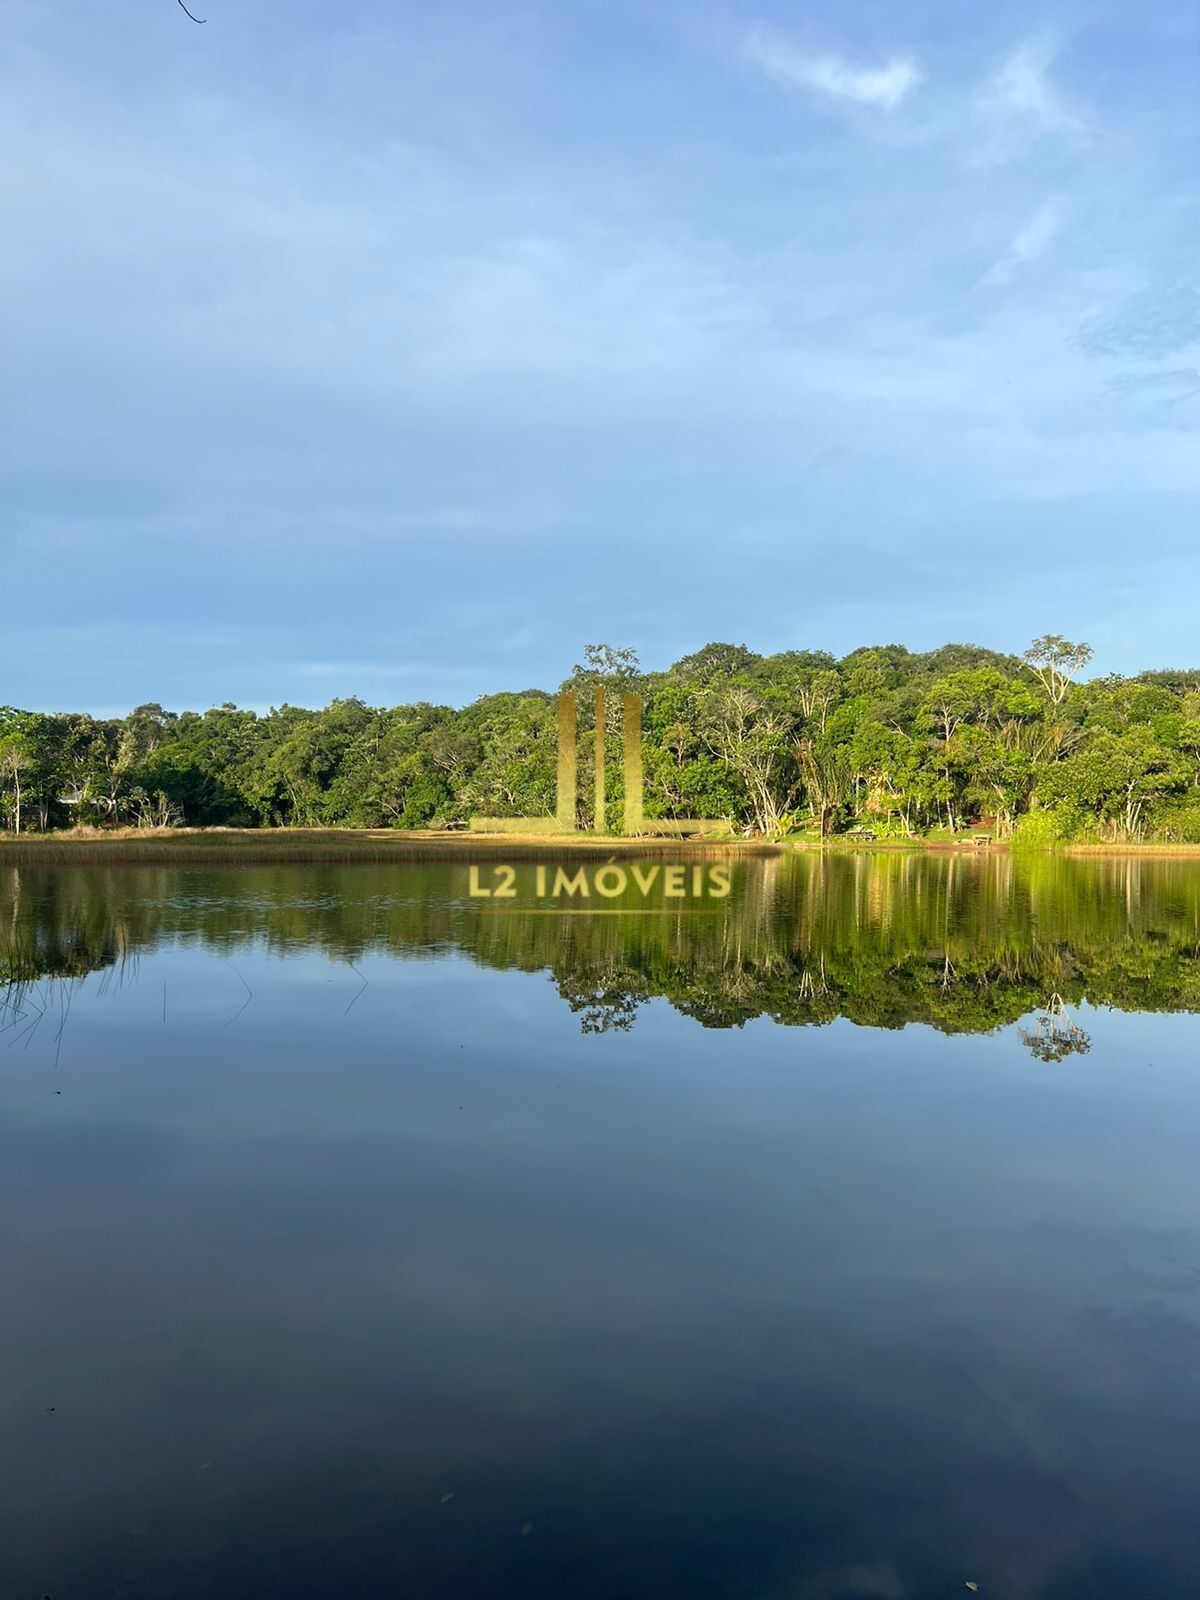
<point x="1049" y="825"/>
<point x="1113" y="778"/>
<point x="1055" y="661"/>
<point x="899" y="742"/>
<point x="424" y="799"/>
<point x="1176" y="818"/>
<point x="22" y="742"/>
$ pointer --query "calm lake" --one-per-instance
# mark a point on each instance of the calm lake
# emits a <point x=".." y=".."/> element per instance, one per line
<point x="836" y="1238"/>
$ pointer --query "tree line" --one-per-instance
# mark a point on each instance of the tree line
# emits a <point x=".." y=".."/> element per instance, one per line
<point x="904" y="743"/>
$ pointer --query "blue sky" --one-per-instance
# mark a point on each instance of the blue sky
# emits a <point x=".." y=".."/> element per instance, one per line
<point x="399" y="350"/>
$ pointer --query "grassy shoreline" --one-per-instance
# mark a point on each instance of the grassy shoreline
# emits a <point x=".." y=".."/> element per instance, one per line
<point x="257" y="846"/>
<point x="262" y="846"/>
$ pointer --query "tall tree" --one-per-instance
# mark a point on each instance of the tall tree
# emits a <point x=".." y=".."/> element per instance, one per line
<point x="1055" y="661"/>
<point x="749" y="739"/>
<point x="20" y="733"/>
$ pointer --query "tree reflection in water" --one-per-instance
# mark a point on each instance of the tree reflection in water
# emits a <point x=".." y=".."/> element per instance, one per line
<point x="962" y="944"/>
<point x="1054" y="1035"/>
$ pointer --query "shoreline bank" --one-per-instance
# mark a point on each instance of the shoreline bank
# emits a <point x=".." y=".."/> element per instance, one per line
<point x="254" y="846"/>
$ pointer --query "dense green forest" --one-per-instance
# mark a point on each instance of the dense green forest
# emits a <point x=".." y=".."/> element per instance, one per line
<point x="900" y="742"/>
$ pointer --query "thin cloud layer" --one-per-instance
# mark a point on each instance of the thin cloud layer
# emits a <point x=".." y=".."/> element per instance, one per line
<point x="1030" y="242"/>
<point x="1020" y="105"/>
<point x="885" y="86"/>
<point x="403" y="364"/>
<point x="1155" y="323"/>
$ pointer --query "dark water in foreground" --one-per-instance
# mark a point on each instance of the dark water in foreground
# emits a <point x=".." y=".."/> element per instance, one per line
<point x="837" y="1240"/>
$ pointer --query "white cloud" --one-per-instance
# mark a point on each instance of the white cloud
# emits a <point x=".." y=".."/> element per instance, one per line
<point x="1149" y="325"/>
<point x="1032" y="241"/>
<point x="885" y="86"/>
<point x="1021" y="105"/>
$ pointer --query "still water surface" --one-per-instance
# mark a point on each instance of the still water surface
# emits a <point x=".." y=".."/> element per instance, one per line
<point x="361" y="1240"/>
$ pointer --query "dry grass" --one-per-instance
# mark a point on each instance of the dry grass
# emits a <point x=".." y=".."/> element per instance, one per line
<point x="1144" y="847"/>
<point x="232" y="846"/>
<point x="263" y="846"/>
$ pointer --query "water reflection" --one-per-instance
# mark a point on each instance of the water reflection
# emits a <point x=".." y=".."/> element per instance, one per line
<point x="357" y="1242"/>
<point x="965" y="945"/>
